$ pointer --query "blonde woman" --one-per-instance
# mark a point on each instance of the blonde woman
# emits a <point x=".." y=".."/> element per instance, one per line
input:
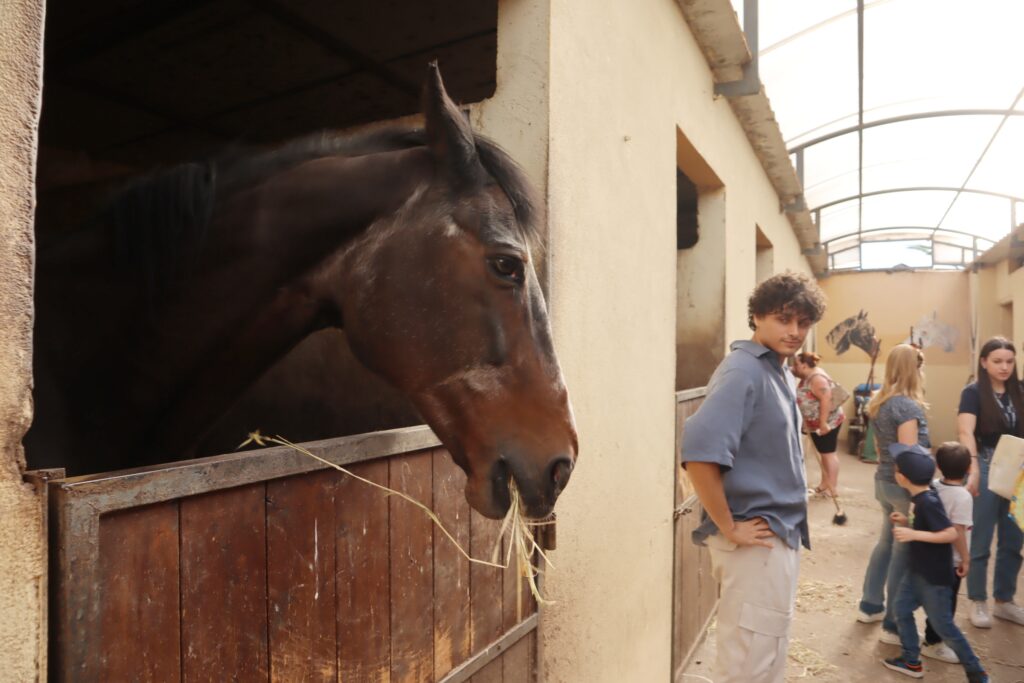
<point x="897" y="412"/>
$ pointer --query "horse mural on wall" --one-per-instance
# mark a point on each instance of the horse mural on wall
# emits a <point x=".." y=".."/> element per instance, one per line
<point x="929" y="331"/>
<point x="853" y="331"/>
<point x="417" y="241"/>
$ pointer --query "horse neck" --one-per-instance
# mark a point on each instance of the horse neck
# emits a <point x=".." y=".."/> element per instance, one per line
<point x="315" y="208"/>
<point x="251" y="291"/>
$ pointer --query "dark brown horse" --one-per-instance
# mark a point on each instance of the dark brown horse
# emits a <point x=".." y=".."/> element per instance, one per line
<point x="416" y="241"/>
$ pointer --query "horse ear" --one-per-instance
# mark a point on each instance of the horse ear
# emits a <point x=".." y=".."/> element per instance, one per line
<point x="449" y="135"/>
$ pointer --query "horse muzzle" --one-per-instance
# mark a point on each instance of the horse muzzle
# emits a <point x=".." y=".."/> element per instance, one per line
<point x="538" y="484"/>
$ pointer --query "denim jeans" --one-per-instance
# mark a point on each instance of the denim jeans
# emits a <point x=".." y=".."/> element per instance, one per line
<point x="888" y="564"/>
<point x="930" y="635"/>
<point x="916" y="591"/>
<point x="992" y="513"/>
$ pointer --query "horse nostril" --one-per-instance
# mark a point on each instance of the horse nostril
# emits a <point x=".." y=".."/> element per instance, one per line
<point x="561" y="469"/>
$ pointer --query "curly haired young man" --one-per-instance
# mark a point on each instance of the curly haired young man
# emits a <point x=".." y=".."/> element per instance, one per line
<point x="742" y="452"/>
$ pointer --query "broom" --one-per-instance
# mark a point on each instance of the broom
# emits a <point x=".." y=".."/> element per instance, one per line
<point x="840" y="518"/>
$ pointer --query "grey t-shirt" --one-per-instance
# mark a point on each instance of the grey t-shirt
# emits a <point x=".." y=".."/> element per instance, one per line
<point x="894" y="412"/>
<point x="749" y="426"/>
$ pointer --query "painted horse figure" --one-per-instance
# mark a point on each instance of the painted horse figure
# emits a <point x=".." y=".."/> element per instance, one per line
<point x="415" y="240"/>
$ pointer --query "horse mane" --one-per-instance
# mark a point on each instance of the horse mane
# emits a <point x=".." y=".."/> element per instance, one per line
<point x="244" y="169"/>
<point x="176" y="204"/>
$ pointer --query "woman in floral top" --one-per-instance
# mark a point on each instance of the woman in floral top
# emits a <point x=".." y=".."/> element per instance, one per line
<point x="814" y="395"/>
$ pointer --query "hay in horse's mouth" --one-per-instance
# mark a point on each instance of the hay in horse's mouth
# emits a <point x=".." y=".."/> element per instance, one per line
<point x="515" y="524"/>
<point x="521" y="539"/>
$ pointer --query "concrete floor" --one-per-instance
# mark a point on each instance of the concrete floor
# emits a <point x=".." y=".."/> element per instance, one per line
<point x="827" y="643"/>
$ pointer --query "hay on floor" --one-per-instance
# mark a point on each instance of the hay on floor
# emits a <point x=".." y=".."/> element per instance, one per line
<point x="813" y="664"/>
<point x="821" y="596"/>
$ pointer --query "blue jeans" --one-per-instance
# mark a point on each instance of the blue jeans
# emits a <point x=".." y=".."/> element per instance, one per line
<point x="916" y="591"/>
<point x="887" y="564"/>
<point x="991" y="513"/>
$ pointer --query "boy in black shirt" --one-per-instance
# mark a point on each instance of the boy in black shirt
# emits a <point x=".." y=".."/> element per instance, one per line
<point x="929" y="579"/>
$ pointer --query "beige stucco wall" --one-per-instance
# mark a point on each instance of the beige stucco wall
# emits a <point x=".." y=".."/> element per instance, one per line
<point x="22" y="566"/>
<point x="517" y="115"/>
<point x="999" y="302"/>
<point x="992" y="299"/>
<point x="894" y="302"/>
<point x="622" y="77"/>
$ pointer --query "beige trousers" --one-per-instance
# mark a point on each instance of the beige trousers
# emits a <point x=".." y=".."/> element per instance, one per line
<point x="758" y="591"/>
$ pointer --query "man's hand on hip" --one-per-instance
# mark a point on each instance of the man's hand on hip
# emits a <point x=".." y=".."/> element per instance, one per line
<point x="750" y="532"/>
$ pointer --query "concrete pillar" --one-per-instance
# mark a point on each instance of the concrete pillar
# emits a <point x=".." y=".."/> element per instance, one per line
<point x="22" y="532"/>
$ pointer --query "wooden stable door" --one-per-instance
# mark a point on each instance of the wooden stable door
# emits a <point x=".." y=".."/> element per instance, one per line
<point x="694" y="589"/>
<point x="309" y="576"/>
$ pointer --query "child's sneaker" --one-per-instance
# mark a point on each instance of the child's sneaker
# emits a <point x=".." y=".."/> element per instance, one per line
<point x="978" y="677"/>
<point x="888" y="637"/>
<point x="1009" y="611"/>
<point x="904" y="667"/>
<point x="979" y="615"/>
<point x="939" y="651"/>
<point x="865" y="618"/>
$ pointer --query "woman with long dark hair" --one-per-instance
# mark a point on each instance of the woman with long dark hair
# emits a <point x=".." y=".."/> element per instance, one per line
<point x="990" y="407"/>
<point x="898" y="413"/>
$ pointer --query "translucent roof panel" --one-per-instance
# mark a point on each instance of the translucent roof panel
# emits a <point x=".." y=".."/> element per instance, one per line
<point x="896" y="234"/>
<point x="926" y="152"/>
<point x="939" y="88"/>
<point x="978" y="214"/>
<point x="830" y="170"/>
<point x="960" y="239"/>
<point x="951" y="55"/>
<point x="799" y="17"/>
<point x="835" y="103"/>
<point x="844" y="260"/>
<point x="844" y="243"/>
<point x="901" y="209"/>
<point x="1002" y="168"/>
<point x="836" y="221"/>
<point x="907" y="209"/>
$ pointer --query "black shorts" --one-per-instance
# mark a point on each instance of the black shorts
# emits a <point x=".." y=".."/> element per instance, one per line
<point x="827" y="443"/>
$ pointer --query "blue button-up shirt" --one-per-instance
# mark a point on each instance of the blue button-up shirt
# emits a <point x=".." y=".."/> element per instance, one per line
<point x="749" y="426"/>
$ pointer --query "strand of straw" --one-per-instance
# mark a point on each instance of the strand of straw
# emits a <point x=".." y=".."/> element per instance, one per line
<point x="521" y="537"/>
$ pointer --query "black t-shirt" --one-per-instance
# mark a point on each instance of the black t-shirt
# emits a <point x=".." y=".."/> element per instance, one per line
<point x="970" y="402"/>
<point x="933" y="561"/>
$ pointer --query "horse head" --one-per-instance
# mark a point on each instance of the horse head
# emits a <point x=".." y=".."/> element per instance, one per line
<point x="441" y="297"/>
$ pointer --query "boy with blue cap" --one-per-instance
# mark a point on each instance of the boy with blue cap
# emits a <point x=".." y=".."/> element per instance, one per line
<point x="930" y="577"/>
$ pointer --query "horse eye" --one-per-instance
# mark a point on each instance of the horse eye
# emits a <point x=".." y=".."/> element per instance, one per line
<point x="507" y="268"/>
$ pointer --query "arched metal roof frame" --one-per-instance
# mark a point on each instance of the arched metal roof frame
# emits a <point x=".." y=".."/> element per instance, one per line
<point x="1012" y="201"/>
<point x="836" y="17"/>
<point x="921" y="188"/>
<point x="798" y="149"/>
<point x="798" y="152"/>
<point x="968" y="254"/>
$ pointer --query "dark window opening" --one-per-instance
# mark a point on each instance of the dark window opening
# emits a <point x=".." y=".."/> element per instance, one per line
<point x="687" y="230"/>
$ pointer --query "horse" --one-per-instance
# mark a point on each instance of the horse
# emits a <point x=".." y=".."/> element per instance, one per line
<point x="416" y="240"/>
